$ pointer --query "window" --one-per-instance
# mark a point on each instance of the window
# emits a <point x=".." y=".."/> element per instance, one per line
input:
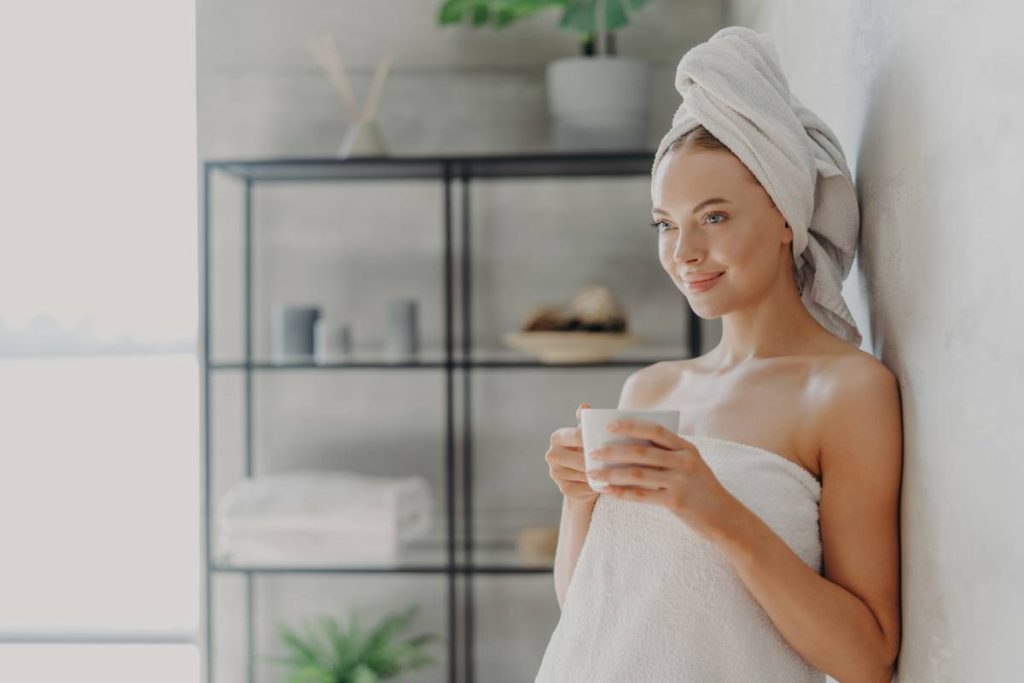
<point x="99" y="375"/>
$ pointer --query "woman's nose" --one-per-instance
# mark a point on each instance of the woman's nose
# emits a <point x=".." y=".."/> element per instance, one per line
<point x="687" y="248"/>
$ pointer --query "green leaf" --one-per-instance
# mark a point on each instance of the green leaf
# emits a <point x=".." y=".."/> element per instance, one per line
<point x="389" y="626"/>
<point x="341" y="645"/>
<point x="480" y="14"/>
<point x="503" y="16"/>
<point x="342" y="654"/>
<point x="615" y="15"/>
<point x="299" y="650"/>
<point x="577" y="17"/>
<point x="383" y="655"/>
<point x="364" y="674"/>
<point x="322" y="654"/>
<point x="422" y="639"/>
<point x="451" y="12"/>
<point x="581" y="15"/>
<point x="310" y="674"/>
<point x="391" y="660"/>
<point x="499" y="13"/>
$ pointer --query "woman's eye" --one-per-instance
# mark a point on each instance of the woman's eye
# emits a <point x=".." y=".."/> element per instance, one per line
<point x="657" y="224"/>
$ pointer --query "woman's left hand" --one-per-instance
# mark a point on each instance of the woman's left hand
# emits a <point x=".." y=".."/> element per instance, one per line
<point x="670" y="473"/>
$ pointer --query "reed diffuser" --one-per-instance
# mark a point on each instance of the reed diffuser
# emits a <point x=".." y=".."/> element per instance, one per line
<point x="363" y="137"/>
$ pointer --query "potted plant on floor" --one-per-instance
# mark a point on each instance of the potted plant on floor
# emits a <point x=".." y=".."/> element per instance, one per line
<point x="597" y="100"/>
<point x="352" y="655"/>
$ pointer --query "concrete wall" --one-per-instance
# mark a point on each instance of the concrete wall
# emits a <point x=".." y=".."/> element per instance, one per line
<point x="351" y="247"/>
<point x="926" y="98"/>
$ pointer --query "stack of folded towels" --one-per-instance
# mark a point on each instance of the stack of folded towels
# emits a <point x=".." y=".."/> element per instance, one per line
<point x="321" y="517"/>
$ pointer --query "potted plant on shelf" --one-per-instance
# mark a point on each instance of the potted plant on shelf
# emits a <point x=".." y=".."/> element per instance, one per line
<point x="597" y="100"/>
<point x="353" y="656"/>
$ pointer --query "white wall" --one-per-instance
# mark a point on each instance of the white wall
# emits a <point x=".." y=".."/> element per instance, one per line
<point x="352" y="247"/>
<point x="926" y="96"/>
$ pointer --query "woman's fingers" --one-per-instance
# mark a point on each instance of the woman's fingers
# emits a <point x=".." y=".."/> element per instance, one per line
<point x="566" y="457"/>
<point x="643" y="454"/>
<point x="652" y="431"/>
<point x="643" y="477"/>
<point x="568" y="473"/>
<point x="566" y="437"/>
<point x="566" y="462"/>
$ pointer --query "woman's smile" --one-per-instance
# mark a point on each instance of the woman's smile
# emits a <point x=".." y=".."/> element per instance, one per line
<point x="704" y="285"/>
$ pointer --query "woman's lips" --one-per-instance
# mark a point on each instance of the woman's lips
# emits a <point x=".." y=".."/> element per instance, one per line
<point x="704" y="284"/>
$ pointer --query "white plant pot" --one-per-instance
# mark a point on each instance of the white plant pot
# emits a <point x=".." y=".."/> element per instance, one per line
<point x="598" y="103"/>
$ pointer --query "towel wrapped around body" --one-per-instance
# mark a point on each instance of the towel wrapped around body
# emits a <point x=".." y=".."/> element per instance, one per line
<point x="651" y="600"/>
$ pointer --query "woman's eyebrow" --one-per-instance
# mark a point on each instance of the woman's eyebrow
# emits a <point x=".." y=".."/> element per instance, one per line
<point x="713" y="200"/>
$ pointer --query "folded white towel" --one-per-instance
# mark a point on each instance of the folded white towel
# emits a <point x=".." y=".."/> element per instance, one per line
<point x="734" y="86"/>
<point x="331" y="499"/>
<point x="310" y="515"/>
<point x="306" y="548"/>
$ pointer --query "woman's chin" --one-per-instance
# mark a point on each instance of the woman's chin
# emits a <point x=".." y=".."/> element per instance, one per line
<point x="705" y="312"/>
<point x="705" y="309"/>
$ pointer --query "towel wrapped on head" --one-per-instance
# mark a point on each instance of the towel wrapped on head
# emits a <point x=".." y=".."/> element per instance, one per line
<point x="733" y="86"/>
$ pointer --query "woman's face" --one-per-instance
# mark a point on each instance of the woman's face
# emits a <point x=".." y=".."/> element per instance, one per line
<point x="744" y="237"/>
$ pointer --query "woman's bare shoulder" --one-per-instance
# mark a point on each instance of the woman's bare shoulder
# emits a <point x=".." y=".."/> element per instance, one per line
<point x="858" y="390"/>
<point x="644" y="385"/>
<point x="842" y="369"/>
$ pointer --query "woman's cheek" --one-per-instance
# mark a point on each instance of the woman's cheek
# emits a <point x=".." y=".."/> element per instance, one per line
<point x="665" y="254"/>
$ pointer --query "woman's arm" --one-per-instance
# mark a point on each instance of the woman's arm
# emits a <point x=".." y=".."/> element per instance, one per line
<point x="847" y="622"/>
<point x="575" y="522"/>
<point x="572" y="531"/>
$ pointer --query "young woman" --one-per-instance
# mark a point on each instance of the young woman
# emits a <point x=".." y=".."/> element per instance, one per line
<point x="759" y="542"/>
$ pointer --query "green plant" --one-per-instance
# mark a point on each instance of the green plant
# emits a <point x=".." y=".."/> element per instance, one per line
<point x="579" y="16"/>
<point x="353" y="656"/>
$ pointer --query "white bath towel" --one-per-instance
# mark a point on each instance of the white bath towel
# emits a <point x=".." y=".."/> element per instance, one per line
<point x="298" y="547"/>
<point x="312" y="516"/>
<point x="734" y="86"/>
<point x="650" y="600"/>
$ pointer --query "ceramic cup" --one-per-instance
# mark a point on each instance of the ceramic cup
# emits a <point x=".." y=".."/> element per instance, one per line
<point x="292" y="340"/>
<point x="593" y="422"/>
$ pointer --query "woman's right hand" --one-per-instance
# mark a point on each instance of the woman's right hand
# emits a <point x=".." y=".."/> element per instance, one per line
<point x="566" y="464"/>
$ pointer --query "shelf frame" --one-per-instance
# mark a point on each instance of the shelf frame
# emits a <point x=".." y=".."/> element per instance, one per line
<point x="447" y="170"/>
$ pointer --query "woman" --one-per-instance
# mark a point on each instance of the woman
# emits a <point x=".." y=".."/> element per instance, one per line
<point x="760" y="542"/>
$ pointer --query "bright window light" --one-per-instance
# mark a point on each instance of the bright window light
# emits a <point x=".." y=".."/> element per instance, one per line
<point x="99" y="378"/>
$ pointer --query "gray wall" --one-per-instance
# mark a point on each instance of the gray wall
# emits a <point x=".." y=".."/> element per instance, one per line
<point x="925" y="96"/>
<point x="353" y="247"/>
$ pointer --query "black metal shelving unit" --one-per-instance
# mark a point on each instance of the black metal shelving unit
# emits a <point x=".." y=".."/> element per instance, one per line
<point x="447" y="170"/>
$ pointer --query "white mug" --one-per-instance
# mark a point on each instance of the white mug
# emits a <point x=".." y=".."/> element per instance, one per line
<point x="593" y="422"/>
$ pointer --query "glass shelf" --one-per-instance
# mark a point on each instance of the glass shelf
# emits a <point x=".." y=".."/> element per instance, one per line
<point x="540" y="164"/>
<point x="418" y="557"/>
<point x="639" y="355"/>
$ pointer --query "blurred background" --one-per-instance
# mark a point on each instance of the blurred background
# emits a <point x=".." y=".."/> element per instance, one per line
<point x="279" y="282"/>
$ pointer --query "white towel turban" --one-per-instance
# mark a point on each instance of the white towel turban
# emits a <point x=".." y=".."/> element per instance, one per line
<point x="734" y="86"/>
